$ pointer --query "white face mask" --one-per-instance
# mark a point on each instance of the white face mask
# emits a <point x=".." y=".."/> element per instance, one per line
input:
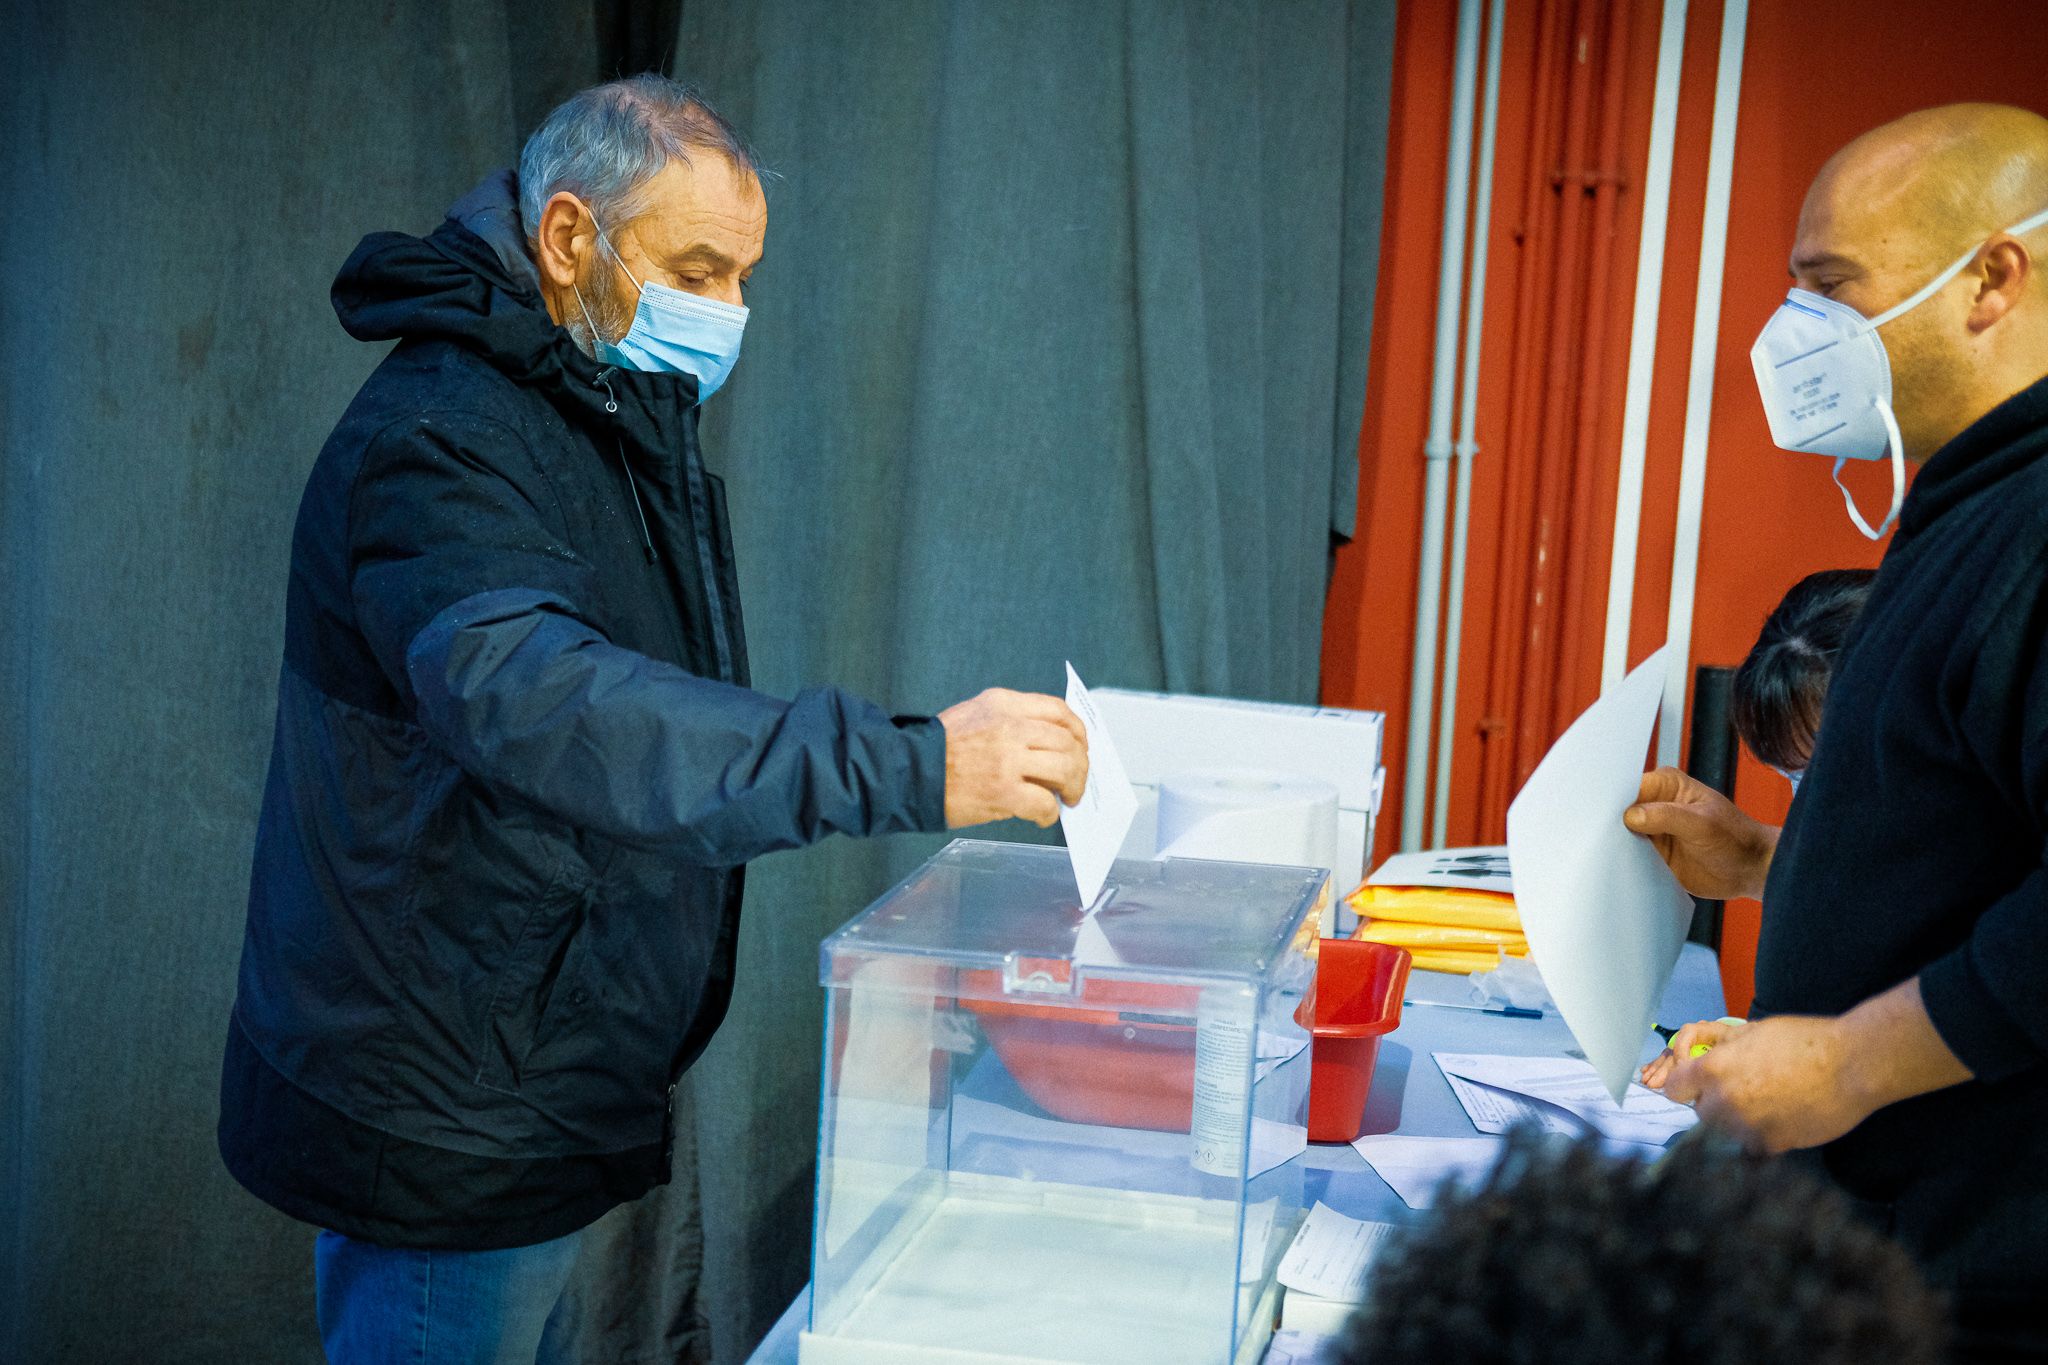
<point x="1827" y="382"/>
<point x="1792" y="777"/>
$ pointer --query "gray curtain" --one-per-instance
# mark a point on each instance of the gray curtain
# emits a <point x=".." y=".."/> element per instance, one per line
<point x="1058" y="354"/>
<point x="183" y="179"/>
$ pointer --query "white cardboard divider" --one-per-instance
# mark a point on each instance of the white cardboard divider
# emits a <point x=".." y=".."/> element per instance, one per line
<point x="1158" y="734"/>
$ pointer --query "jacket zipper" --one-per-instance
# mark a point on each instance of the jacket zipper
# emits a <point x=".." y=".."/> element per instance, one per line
<point x="611" y="405"/>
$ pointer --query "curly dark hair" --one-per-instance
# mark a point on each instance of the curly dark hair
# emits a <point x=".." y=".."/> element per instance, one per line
<point x="1567" y="1255"/>
<point x="1781" y="685"/>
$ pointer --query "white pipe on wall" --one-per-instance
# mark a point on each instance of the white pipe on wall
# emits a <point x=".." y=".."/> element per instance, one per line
<point x="1642" y="347"/>
<point x="1706" y="336"/>
<point x="1468" y="423"/>
<point x="1436" y="448"/>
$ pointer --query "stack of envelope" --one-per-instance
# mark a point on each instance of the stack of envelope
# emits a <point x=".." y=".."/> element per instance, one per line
<point x="1437" y="913"/>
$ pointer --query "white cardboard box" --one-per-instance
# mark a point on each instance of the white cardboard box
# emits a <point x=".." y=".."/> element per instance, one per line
<point x="1158" y="733"/>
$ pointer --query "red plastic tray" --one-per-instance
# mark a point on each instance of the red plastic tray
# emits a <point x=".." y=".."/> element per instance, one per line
<point x="1098" y="1065"/>
<point x="1104" y="1063"/>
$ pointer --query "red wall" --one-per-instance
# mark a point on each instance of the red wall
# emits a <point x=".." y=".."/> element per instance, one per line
<point x="1815" y="74"/>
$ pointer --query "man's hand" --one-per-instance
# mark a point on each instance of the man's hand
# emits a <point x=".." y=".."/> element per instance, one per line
<point x="1778" y="1083"/>
<point x="1797" y="1080"/>
<point x="1012" y="754"/>
<point x="1715" y="850"/>
<point x="1708" y="1032"/>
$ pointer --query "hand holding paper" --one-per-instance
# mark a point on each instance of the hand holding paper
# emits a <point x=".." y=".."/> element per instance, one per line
<point x="1012" y="754"/>
<point x="1712" y="848"/>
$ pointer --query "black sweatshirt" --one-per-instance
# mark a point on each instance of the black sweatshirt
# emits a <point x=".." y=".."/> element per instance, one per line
<point x="1916" y="848"/>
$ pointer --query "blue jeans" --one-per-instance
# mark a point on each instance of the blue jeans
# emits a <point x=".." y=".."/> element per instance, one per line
<point x="396" y="1306"/>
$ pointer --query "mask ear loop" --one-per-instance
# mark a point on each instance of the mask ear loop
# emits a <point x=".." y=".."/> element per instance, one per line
<point x="605" y="238"/>
<point x="1898" y="445"/>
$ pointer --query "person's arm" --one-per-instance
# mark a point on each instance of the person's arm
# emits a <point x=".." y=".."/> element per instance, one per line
<point x="1796" y="1080"/>
<point x="1715" y="851"/>
<point x="1976" y="1011"/>
<point x="470" y="597"/>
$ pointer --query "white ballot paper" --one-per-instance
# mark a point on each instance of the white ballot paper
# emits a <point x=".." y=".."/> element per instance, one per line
<point x="1331" y="1255"/>
<point x="1561" y="1093"/>
<point x="1095" y="827"/>
<point x="1300" y="1348"/>
<point x="1414" y="1166"/>
<point x="1496" y="1111"/>
<point x="1604" y="916"/>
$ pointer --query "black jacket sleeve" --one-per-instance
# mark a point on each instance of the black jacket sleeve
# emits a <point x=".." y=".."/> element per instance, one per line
<point x="466" y="592"/>
<point x="1985" y="997"/>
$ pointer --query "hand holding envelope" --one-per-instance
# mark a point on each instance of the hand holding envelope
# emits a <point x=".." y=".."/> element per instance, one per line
<point x="1012" y="754"/>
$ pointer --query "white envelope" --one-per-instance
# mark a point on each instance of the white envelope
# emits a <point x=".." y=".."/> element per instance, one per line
<point x="1095" y="826"/>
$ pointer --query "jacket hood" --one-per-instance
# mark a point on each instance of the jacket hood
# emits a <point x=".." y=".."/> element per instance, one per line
<point x="471" y="282"/>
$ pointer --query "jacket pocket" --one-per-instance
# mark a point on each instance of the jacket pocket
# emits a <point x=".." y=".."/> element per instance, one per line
<point x="540" y="989"/>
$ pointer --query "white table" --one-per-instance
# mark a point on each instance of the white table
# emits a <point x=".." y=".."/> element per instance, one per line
<point x="1409" y="1096"/>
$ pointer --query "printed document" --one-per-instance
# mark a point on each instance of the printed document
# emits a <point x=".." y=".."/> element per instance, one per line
<point x="1331" y="1255"/>
<point x="1561" y="1093"/>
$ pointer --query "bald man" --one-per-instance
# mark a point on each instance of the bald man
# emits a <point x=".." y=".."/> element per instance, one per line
<point x="1902" y="978"/>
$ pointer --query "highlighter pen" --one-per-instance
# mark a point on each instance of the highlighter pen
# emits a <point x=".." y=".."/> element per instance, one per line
<point x="1511" y="1011"/>
<point x="1698" y="1049"/>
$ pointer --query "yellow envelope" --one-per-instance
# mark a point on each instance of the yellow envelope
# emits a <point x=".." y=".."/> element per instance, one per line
<point x="1441" y="936"/>
<point x="1455" y="960"/>
<point x="1438" y="905"/>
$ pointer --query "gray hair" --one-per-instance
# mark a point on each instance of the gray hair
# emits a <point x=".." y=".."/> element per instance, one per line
<point x="605" y="143"/>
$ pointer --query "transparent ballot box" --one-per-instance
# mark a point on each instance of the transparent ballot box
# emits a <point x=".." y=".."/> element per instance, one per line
<point x="1049" y="1136"/>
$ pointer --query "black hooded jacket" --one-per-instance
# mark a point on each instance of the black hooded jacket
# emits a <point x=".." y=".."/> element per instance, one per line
<point x="516" y="772"/>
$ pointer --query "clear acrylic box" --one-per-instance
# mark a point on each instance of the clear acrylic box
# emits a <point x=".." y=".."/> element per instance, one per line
<point x="1053" y="1137"/>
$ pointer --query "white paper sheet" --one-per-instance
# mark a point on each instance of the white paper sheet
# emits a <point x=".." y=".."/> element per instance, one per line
<point x="1465" y="869"/>
<point x="1096" y="825"/>
<point x="1257" y="1241"/>
<point x="1331" y="1255"/>
<point x="1604" y="916"/>
<point x="1300" y="1348"/>
<point x="1415" y="1166"/>
<point x="1496" y="1111"/>
<point x="1547" y="1085"/>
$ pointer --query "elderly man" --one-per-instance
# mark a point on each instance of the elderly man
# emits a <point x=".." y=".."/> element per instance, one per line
<point x="517" y="768"/>
<point x="1903" y="972"/>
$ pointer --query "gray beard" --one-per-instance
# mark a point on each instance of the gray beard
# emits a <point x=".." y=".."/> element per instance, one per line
<point x="599" y="294"/>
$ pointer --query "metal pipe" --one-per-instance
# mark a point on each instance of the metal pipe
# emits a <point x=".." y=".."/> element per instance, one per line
<point x="1562" y="377"/>
<point x="1468" y="423"/>
<point x="1642" y="347"/>
<point x="1519" y="453"/>
<point x="1436" y="448"/>
<point x="1699" y="396"/>
<point x="1605" y="182"/>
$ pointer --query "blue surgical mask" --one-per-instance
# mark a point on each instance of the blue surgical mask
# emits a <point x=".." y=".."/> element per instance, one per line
<point x="1792" y="777"/>
<point x="673" y="332"/>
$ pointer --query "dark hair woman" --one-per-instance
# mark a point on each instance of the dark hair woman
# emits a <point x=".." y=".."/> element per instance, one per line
<point x="1781" y="685"/>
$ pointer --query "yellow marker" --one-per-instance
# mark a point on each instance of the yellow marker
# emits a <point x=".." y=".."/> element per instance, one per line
<point x="1701" y="1049"/>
